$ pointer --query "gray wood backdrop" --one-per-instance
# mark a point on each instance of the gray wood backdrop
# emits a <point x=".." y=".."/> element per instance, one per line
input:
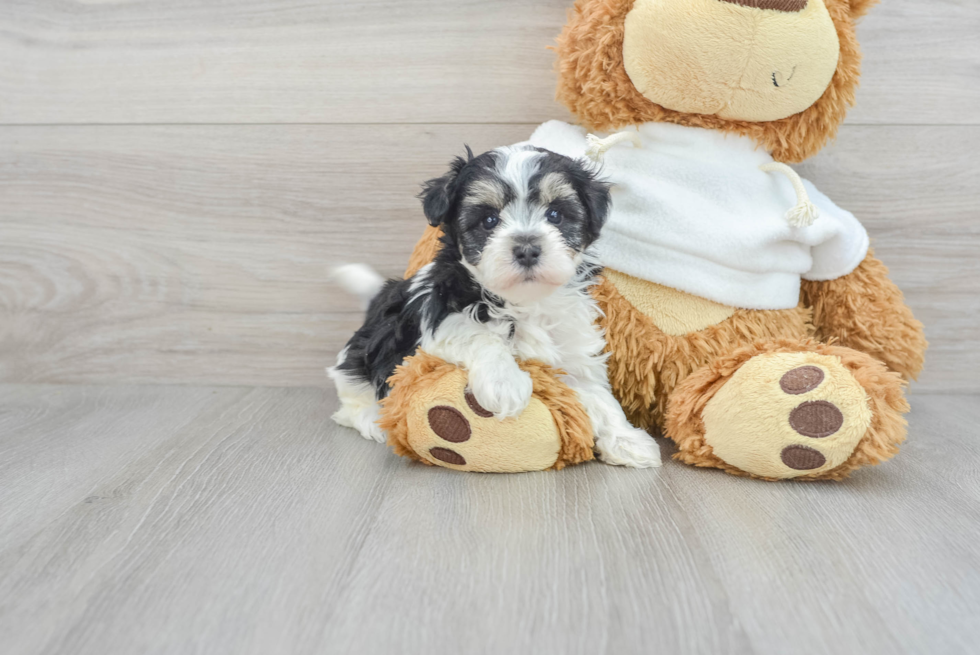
<point x="177" y="177"/>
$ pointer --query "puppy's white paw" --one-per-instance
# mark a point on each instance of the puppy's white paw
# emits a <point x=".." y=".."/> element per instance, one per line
<point x="373" y="432"/>
<point x="365" y="422"/>
<point x="629" y="447"/>
<point x="503" y="389"/>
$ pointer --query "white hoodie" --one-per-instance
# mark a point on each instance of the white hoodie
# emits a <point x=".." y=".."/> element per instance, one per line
<point x="692" y="211"/>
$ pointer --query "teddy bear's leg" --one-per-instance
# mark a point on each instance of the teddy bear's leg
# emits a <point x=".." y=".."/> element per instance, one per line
<point x="431" y="416"/>
<point x="789" y="410"/>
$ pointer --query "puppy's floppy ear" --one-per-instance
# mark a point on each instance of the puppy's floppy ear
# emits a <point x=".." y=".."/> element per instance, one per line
<point x="437" y="195"/>
<point x="595" y="196"/>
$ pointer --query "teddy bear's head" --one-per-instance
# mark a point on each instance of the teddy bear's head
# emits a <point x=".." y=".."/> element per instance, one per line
<point x="783" y="72"/>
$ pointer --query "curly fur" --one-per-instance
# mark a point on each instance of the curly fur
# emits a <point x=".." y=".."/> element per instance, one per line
<point x="594" y="85"/>
<point x="425" y="250"/>
<point x="422" y="369"/>
<point x="645" y="365"/>
<point x="866" y="311"/>
<point x="883" y="387"/>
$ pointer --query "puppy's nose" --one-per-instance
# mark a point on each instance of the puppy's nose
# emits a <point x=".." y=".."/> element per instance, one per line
<point x="778" y="5"/>
<point x="527" y="253"/>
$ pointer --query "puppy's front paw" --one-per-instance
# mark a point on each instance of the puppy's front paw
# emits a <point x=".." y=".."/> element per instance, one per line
<point x="504" y="389"/>
<point x="629" y="447"/>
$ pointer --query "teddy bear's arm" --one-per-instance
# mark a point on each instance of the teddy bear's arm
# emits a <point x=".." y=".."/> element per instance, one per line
<point x="866" y="311"/>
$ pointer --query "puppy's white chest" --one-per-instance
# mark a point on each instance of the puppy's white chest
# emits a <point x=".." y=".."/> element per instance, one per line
<point x="560" y="332"/>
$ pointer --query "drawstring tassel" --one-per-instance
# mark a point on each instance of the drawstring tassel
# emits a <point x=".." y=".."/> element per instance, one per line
<point x="597" y="147"/>
<point x="805" y="212"/>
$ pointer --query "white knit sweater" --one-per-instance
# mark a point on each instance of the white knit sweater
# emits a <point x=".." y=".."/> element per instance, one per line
<point x="692" y="211"/>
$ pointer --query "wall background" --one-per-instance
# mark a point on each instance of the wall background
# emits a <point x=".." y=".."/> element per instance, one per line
<point x="176" y="178"/>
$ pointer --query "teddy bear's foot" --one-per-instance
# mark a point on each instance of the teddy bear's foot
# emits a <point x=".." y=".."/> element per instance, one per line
<point x="432" y="416"/>
<point x="789" y="411"/>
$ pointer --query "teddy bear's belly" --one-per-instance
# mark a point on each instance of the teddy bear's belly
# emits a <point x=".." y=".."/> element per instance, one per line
<point x="674" y="312"/>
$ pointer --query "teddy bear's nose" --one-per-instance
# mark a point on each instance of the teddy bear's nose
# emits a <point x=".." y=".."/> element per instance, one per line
<point x="778" y="5"/>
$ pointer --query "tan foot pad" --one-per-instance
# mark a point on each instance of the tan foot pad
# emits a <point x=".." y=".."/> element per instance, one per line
<point x="431" y="416"/>
<point x="784" y="415"/>
<point x="449" y="428"/>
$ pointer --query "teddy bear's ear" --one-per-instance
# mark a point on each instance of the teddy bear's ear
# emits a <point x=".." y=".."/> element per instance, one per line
<point x="861" y="7"/>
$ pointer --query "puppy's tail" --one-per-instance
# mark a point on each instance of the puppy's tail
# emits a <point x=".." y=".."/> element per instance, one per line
<point x="359" y="280"/>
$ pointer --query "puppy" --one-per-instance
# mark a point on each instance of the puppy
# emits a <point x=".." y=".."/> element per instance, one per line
<point x="510" y="283"/>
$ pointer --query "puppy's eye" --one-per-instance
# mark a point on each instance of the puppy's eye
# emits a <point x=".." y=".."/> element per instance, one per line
<point x="555" y="217"/>
<point x="490" y="222"/>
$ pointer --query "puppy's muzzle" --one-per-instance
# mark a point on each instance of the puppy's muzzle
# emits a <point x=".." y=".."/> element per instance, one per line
<point x="527" y="252"/>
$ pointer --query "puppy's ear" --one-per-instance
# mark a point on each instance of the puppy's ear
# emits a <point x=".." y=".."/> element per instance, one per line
<point x="437" y="195"/>
<point x="595" y="196"/>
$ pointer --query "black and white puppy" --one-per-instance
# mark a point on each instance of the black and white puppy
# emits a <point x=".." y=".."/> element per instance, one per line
<point x="510" y="283"/>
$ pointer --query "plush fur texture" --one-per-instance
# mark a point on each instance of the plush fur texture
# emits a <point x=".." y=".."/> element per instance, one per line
<point x="674" y="312"/>
<point x="884" y="389"/>
<point x="423" y="371"/>
<point x="866" y="311"/>
<point x="594" y="85"/>
<point x="646" y="365"/>
<point x="425" y="250"/>
<point x="813" y="428"/>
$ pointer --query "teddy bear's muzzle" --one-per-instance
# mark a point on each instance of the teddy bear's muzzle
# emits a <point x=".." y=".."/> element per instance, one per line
<point x="749" y="60"/>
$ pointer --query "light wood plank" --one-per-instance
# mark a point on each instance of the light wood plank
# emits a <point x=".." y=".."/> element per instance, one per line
<point x="258" y="527"/>
<point x="200" y="253"/>
<point x="379" y="61"/>
<point x="56" y="446"/>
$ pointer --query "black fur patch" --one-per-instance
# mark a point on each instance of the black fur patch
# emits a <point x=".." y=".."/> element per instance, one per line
<point x="392" y="330"/>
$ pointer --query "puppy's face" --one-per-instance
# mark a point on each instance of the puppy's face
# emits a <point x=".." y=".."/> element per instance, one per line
<point x="521" y="218"/>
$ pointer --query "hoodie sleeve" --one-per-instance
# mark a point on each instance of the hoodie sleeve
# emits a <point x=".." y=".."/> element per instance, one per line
<point x="847" y="246"/>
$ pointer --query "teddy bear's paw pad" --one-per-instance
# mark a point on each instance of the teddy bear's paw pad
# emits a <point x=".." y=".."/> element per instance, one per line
<point x="816" y="419"/>
<point x="802" y="458"/>
<point x="783" y="415"/>
<point x="449" y="428"/>
<point x="450" y="424"/>
<point x="801" y="380"/>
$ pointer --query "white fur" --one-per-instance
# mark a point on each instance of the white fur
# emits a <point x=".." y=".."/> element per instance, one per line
<point x="497" y="271"/>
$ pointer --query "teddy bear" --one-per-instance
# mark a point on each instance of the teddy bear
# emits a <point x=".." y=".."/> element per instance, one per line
<point x="746" y="315"/>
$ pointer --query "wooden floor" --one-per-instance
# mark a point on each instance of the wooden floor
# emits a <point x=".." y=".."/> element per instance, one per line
<point x="240" y="521"/>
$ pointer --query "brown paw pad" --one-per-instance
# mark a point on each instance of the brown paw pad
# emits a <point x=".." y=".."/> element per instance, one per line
<point x="450" y="424"/>
<point x="802" y="380"/>
<point x="801" y="458"/>
<point x="816" y="419"/>
<point x="448" y="456"/>
<point x="475" y="406"/>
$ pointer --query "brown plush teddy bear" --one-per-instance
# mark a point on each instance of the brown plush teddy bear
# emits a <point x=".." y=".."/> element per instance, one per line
<point x="746" y="317"/>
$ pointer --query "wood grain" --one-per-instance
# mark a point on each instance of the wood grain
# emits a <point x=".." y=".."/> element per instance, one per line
<point x="201" y="253"/>
<point x="381" y="61"/>
<point x="197" y="520"/>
